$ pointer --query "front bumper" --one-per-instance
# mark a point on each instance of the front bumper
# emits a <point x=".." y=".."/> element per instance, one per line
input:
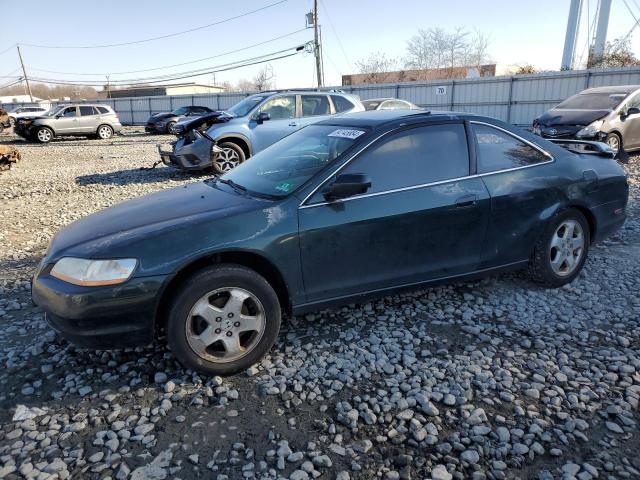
<point x="566" y="133"/>
<point x="106" y="317"/>
<point x="186" y="160"/>
<point x="155" y="128"/>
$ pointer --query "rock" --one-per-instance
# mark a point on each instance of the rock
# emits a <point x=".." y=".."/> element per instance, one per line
<point x="440" y="472"/>
<point x="322" y="461"/>
<point x="470" y="456"/>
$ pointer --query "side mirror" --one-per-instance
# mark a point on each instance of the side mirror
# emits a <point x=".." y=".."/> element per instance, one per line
<point x="262" y="117"/>
<point x="632" y="111"/>
<point x="347" y="185"/>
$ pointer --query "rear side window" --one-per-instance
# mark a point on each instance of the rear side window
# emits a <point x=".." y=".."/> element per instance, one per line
<point x="415" y="157"/>
<point x="341" y="104"/>
<point x="498" y="150"/>
<point x="315" y="105"/>
<point x="103" y="110"/>
<point x="85" y="111"/>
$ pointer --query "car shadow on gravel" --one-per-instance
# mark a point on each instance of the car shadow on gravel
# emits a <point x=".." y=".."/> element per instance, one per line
<point x="137" y="176"/>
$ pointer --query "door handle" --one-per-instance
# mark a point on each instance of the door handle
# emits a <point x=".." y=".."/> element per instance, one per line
<point x="293" y="124"/>
<point x="466" y="201"/>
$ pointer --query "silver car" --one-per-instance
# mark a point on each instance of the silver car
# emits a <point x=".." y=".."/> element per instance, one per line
<point x="606" y="114"/>
<point x="91" y="120"/>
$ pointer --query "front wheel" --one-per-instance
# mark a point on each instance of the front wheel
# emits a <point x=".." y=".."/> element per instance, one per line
<point x="223" y="320"/>
<point x="614" y="141"/>
<point x="562" y="249"/>
<point x="170" y="128"/>
<point x="44" y="135"/>
<point x="229" y="158"/>
<point x="105" y="132"/>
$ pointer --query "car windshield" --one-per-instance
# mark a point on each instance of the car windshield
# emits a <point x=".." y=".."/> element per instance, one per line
<point x="243" y="107"/>
<point x="54" y="111"/>
<point x="593" y="101"/>
<point x="180" y="111"/>
<point x="281" y="168"/>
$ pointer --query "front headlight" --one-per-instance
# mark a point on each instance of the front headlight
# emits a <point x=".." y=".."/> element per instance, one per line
<point x="80" y="271"/>
<point x="591" y="129"/>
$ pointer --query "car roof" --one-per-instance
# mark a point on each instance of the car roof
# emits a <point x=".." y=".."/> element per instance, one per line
<point x="375" y="118"/>
<point x="613" y="89"/>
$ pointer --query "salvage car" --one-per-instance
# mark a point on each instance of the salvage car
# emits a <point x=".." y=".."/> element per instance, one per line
<point x="90" y="120"/>
<point x="388" y="104"/>
<point x="233" y="135"/>
<point x="608" y="114"/>
<point x="349" y="208"/>
<point x="164" y="122"/>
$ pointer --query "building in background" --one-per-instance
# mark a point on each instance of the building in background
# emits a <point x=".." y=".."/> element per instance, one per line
<point x="417" y="75"/>
<point x="160" y="90"/>
<point x="18" y="99"/>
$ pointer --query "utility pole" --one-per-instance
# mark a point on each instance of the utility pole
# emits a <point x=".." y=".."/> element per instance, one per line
<point x="317" y="43"/>
<point x="601" y="32"/>
<point x="571" y="35"/>
<point x="24" y="72"/>
<point x="108" y="87"/>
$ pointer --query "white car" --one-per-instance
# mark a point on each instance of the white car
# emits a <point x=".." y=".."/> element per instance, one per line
<point x="20" y="112"/>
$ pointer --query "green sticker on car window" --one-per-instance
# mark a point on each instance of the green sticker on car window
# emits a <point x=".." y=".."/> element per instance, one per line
<point x="285" y="187"/>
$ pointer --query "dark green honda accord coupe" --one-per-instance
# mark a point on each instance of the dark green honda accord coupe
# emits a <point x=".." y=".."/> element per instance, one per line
<point x="348" y="208"/>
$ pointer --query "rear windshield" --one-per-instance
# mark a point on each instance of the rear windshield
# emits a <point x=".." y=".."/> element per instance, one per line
<point x="281" y="168"/>
<point x="593" y="101"/>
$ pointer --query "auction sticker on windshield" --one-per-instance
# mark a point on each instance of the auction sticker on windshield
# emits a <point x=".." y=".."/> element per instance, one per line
<point x="346" y="133"/>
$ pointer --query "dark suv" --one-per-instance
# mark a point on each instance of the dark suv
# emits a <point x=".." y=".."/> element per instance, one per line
<point x="163" y="122"/>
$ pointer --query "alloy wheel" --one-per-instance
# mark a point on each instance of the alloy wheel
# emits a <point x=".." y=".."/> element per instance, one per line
<point x="44" y="135"/>
<point x="225" y="324"/>
<point x="104" y="132"/>
<point x="226" y="160"/>
<point x="567" y="248"/>
<point x="613" y="142"/>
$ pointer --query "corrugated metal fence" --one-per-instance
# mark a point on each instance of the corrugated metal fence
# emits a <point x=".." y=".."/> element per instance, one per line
<point x="515" y="99"/>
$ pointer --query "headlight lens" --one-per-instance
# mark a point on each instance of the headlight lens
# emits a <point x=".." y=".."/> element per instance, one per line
<point x="591" y="129"/>
<point x="80" y="271"/>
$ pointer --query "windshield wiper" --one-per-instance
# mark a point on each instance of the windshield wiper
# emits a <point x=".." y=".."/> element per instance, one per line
<point x="236" y="186"/>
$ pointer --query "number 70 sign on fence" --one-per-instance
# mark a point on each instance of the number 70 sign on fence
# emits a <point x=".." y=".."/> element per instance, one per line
<point x="441" y="90"/>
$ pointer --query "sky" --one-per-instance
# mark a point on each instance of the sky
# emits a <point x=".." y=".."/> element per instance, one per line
<point x="520" y="32"/>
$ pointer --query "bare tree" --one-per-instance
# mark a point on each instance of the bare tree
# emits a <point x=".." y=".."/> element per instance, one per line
<point x="264" y="78"/>
<point x="437" y="48"/>
<point x="527" y="69"/>
<point x="46" y="92"/>
<point x="376" y="65"/>
<point x="617" y="53"/>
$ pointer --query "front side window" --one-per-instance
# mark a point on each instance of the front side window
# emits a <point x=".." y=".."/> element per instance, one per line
<point x="413" y="157"/>
<point x="498" y="150"/>
<point x="85" y="111"/>
<point x="283" y="167"/>
<point x="315" y="105"/>
<point x="69" y="112"/>
<point x="280" y="108"/>
<point x="341" y="104"/>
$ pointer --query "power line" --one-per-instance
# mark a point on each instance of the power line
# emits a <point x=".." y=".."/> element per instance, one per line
<point x="7" y="49"/>
<point x="179" y="76"/>
<point x="11" y="84"/>
<point x="634" y="17"/>
<point x="326" y="11"/>
<point x="177" y="64"/>
<point x="169" y="35"/>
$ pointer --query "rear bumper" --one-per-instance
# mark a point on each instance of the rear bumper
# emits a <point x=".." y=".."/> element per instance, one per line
<point x="609" y="219"/>
<point x="100" y="317"/>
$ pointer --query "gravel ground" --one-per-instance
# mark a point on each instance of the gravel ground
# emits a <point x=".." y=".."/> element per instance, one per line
<point x="491" y="379"/>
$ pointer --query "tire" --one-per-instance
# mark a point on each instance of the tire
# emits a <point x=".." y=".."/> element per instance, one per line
<point x="12" y="122"/>
<point x="170" y="126"/>
<point x="614" y="141"/>
<point x="254" y="306"/>
<point x="104" y="132"/>
<point x="1" y="128"/>
<point x="231" y="156"/>
<point x="44" y="135"/>
<point x="560" y="253"/>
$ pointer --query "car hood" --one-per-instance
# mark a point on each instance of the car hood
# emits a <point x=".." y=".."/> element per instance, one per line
<point x="561" y="116"/>
<point x="161" y="116"/>
<point x="132" y="220"/>
<point x="186" y="125"/>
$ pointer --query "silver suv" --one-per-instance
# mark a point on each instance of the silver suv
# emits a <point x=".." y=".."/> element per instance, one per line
<point x="91" y="120"/>
<point x="222" y="140"/>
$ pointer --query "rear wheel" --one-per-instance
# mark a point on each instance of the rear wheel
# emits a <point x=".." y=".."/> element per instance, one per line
<point x="562" y="249"/>
<point x="44" y="135"/>
<point x="229" y="158"/>
<point x="223" y="320"/>
<point x="104" y="132"/>
<point x="614" y="141"/>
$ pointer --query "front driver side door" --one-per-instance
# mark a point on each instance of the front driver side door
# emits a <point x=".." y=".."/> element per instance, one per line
<point x="423" y="217"/>
<point x="282" y="122"/>
<point x="67" y="122"/>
